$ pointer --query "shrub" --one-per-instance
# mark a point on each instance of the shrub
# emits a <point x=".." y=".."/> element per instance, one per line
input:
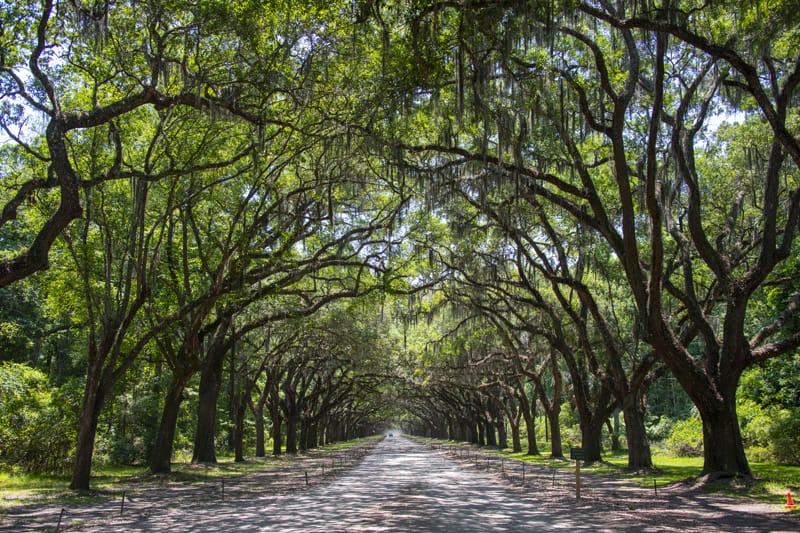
<point x="686" y="437"/>
<point x="124" y="452"/>
<point x="755" y="423"/>
<point x="760" y="454"/>
<point x="36" y="434"/>
<point x="785" y="437"/>
<point x="570" y="429"/>
<point x="659" y="428"/>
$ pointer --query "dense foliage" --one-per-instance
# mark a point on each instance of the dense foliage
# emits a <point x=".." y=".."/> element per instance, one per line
<point x="230" y="225"/>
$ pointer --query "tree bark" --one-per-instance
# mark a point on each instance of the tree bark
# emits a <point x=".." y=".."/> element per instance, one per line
<point x="488" y="431"/>
<point x="37" y="256"/>
<point x="639" y="456"/>
<point x="277" y="421"/>
<point x="530" y="431"/>
<point x="723" y="448"/>
<point x="313" y="437"/>
<point x="258" y="415"/>
<point x="161" y="457"/>
<point x="529" y="414"/>
<point x="714" y="395"/>
<point x="556" y="445"/>
<point x="93" y="398"/>
<point x="238" y="431"/>
<point x="502" y="434"/>
<point x="592" y="438"/>
<point x="291" y="432"/>
<point x="480" y="440"/>
<point x="210" y="384"/>
<point x="613" y="429"/>
<point x="304" y="436"/>
<point x="277" y="435"/>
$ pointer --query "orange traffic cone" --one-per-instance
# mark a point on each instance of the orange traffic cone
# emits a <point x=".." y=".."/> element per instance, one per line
<point x="789" y="501"/>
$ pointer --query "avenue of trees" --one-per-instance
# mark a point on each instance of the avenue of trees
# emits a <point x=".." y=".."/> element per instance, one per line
<point x="262" y="226"/>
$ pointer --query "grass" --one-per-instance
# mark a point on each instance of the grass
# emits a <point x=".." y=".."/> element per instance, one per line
<point x="17" y="488"/>
<point x="22" y="489"/>
<point x="771" y="483"/>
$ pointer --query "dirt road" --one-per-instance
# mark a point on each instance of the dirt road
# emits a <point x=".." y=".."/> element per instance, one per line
<point x="404" y="486"/>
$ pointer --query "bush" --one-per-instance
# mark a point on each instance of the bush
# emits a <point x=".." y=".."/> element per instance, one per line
<point x="123" y="452"/>
<point x="36" y="434"/>
<point x="785" y="437"/>
<point x="659" y="428"/>
<point x="570" y="428"/>
<point x="686" y="437"/>
<point x="755" y="423"/>
<point x="760" y="454"/>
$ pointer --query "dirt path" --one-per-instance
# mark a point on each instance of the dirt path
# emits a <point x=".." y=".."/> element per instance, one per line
<point x="405" y="486"/>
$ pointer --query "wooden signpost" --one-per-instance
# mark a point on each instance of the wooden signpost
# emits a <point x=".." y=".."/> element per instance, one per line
<point x="577" y="455"/>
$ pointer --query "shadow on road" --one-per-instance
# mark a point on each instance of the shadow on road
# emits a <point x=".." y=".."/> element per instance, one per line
<point x="404" y="486"/>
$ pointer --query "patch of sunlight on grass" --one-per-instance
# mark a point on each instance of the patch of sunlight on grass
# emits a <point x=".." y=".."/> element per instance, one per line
<point x="227" y="466"/>
<point x="19" y="481"/>
<point x="335" y="446"/>
<point x="17" y="488"/>
<point x="789" y="476"/>
<point x="771" y="485"/>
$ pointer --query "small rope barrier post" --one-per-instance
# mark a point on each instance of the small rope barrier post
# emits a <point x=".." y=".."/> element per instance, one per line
<point x="60" y="516"/>
<point x="306" y="472"/>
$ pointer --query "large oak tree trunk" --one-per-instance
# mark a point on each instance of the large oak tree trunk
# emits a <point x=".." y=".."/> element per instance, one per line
<point x="714" y="395"/>
<point x="723" y="449"/>
<point x="238" y="430"/>
<point x="93" y="398"/>
<point x="304" y="436"/>
<point x="277" y="422"/>
<point x="530" y="431"/>
<point x="529" y="413"/>
<point x="502" y="434"/>
<point x="639" y="456"/>
<point x="312" y="436"/>
<point x="556" y="445"/>
<point x="258" y="414"/>
<point x="516" y="441"/>
<point x="161" y="457"/>
<point x="488" y="431"/>
<point x="592" y="438"/>
<point x="291" y="432"/>
<point x="208" y="394"/>
<point x="277" y="434"/>
<point x="552" y="406"/>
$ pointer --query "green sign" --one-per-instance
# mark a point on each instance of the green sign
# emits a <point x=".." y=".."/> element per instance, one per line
<point x="577" y="454"/>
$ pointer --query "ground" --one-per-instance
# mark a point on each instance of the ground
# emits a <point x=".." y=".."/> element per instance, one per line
<point x="401" y="485"/>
